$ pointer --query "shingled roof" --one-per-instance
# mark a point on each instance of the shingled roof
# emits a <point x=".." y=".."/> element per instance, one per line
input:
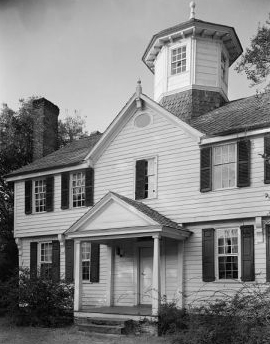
<point x="72" y="154"/>
<point x="233" y="117"/>
<point x="236" y="116"/>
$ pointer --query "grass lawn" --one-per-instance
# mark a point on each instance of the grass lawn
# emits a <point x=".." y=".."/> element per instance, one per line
<point x="10" y="334"/>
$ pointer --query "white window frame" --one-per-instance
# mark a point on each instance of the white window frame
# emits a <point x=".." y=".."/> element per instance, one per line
<point x="34" y="196"/>
<point x="83" y="259"/>
<point x="71" y="189"/>
<point x="155" y="158"/>
<point x="213" y="166"/>
<point x="217" y="255"/>
<point x="181" y="46"/>
<point x="40" y="262"/>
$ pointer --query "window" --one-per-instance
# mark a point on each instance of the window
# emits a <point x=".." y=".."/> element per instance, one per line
<point x="223" y="67"/>
<point x="178" y="60"/>
<point x="46" y="260"/>
<point x="145" y="185"/>
<point x="224" y="166"/>
<point x="86" y="255"/>
<point x="78" y="189"/>
<point x="40" y="195"/>
<point x="228" y="253"/>
<point x="142" y="120"/>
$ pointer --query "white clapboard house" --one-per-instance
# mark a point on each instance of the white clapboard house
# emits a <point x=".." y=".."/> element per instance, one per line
<point x="171" y="200"/>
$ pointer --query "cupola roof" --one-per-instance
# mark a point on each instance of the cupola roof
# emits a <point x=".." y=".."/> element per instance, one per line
<point x="196" y="28"/>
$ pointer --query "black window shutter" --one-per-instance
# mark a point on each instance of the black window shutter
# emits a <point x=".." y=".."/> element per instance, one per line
<point x="89" y="187"/>
<point x="243" y="163"/>
<point x="266" y="162"/>
<point x="49" y="193"/>
<point x="208" y="254"/>
<point x="28" y="197"/>
<point x="247" y="253"/>
<point x="65" y="190"/>
<point x="94" y="263"/>
<point x="267" y="232"/>
<point x="141" y="178"/>
<point x="206" y="169"/>
<point x="55" y="260"/>
<point x="69" y="245"/>
<point x="33" y="259"/>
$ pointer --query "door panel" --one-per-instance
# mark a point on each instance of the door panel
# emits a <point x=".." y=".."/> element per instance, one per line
<point x="146" y="272"/>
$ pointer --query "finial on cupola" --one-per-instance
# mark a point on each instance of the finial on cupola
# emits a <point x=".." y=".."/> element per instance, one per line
<point x="138" y="93"/>
<point x="192" y="10"/>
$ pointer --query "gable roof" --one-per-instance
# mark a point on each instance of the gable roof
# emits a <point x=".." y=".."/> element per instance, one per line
<point x="150" y="212"/>
<point x="142" y="208"/>
<point x="70" y="155"/>
<point x="233" y="117"/>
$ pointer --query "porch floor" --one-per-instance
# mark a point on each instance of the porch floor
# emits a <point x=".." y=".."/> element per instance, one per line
<point x="140" y="310"/>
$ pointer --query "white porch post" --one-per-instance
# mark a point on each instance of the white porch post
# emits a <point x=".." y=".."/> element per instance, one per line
<point x="77" y="276"/>
<point x="110" y="267"/>
<point x="181" y="247"/>
<point x="19" y="245"/>
<point x="156" y="275"/>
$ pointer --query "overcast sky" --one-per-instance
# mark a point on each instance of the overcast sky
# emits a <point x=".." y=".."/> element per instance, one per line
<point x="85" y="55"/>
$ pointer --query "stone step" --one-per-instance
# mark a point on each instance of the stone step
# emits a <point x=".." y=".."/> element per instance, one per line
<point x="105" y="329"/>
<point x="107" y="321"/>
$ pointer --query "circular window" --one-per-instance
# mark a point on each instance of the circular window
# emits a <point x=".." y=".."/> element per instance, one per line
<point x="142" y="120"/>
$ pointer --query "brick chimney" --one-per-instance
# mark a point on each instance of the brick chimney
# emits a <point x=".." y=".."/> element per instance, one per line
<point x="45" y="130"/>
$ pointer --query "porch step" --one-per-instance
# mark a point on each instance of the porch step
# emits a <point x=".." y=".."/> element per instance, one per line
<point x="105" y="329"/>
<point x="101" y="325"/>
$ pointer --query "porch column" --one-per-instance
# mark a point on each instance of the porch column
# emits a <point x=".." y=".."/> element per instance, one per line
<point x="77" y="276"/>
<point x="156" y="276"/>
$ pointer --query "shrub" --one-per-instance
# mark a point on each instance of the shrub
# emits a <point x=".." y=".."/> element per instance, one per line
<point x="171" y="318"/>
<point x="240" y="319"/>
<point x="38" y="301"/>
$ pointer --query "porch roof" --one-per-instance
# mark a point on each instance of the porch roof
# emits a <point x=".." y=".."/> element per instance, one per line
<point x="117" y="216"/>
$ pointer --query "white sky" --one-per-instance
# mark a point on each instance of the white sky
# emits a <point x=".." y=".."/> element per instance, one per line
<point x="85" y="55"/>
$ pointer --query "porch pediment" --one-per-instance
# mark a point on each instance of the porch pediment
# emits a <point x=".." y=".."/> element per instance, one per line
<point x="116" y="215"/>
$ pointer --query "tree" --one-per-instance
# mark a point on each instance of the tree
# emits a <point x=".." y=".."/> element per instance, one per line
<point x="255" y="62"/>
<point x="16" y="150"/>
<point x="71" y="128"/>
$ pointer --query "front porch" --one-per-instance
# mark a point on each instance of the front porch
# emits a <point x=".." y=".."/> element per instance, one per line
<point x="141" y="259"/>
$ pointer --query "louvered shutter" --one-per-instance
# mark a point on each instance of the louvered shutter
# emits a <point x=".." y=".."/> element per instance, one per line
<point x="94" y="262"/>
<point x="243" y="163"/>
<point x="266" y="162"/>
<point x="247" y="253"/>
<point x="28" y="197"/>
<point x="33" y="259"/>
<point x="206" y="169"/>
<point x="89" y="187"/>
<point x="65" y="190"/>
<point x="49" y="193"/>
<point x="69" y="248"/>
<point x="208" y="254"/>
<point x="55" y="260"/>
<point x="267" y="232"/>
<point x="141" y="178"/>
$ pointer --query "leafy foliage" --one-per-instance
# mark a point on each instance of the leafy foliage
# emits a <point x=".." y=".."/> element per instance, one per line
<point x="255" y="62"/>
<point x="37" y="301"/>
<point x="171" y="318"/>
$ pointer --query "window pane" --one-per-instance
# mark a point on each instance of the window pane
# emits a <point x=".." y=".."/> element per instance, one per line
<point x="78" y="189"/>
<point x="217" y="177"/>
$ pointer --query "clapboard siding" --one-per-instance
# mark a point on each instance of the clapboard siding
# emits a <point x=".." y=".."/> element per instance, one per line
<point x="50" y="223"/>
<point x="207" y="63"/>
<point x="94" y="294"/>
<point x="171" y="270"/>
<point x="196" y="290"/>
<point x="178" y="175"/>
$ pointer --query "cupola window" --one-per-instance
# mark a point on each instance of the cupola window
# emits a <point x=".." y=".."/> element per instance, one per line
<point x="179" y="60"/>
<point x="223" y="67"/>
